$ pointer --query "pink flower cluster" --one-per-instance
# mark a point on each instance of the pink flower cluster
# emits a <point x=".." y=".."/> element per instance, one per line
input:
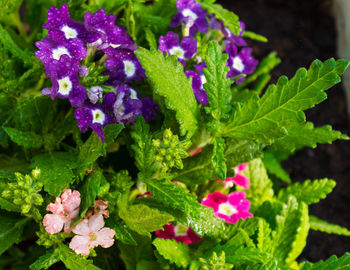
<point x="90" y="231"/>
<point x="179" y="232"/>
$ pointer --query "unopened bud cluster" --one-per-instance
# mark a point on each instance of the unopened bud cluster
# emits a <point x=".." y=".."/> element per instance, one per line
<point x="170" y="151"/>
<point x="24" y="191"/>
<point x="48" y="240"/>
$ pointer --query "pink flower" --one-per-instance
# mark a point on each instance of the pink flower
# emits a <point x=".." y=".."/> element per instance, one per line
<point x="180" y="233"/>
<point x="100" y="208"/>
<point x="195" y="152"/>
<point x="65" y="210"/>
<point x="238" y="179"/>
<point x="90" y="234"/>
<point x="229" y="207"/>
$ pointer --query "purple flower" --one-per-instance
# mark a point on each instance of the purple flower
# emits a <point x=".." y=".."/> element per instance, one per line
<point x="170" y="44"/>
<point x="197" y="86"/>
<point x="124" y="66"/>
<point x="192" y="15"/>
<point x="103" y="34"/>
<point x="240" y="63"/>
<point x="96" y="116"/>
<point x="60" y="26"/>
<point x="230" y="37"/>
<point x="66" y="84"/>
<point x="149" y="108"/>
<point x="51" y="51"/>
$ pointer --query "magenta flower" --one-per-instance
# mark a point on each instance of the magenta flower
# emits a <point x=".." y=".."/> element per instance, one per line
<point x="180" y="233"/>
<point x="229" y="207"/>
<point x="184" y="50"/>
<point x="64" y="211"/>
<point x="91" y="233"/>
<point x="239" y="179"/>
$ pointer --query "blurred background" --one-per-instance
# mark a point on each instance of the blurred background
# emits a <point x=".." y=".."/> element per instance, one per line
<point x="301" y="31"/>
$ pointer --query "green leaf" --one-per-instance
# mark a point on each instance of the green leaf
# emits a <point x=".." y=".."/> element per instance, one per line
<point x="333" y="263"/>
<point x="217" y="85"/>
<point x="254" y="36"/>
<point x="317" y="224"/>
<point x="309" y="191"/>
<point x="27" y="139"/>
<point x="215" y="262"/>
<point x="268" y="118"/>
<point x="273" y="166"/>
<point x="264" y="241"/>
<point x="143" y="148"/>
<point x="121" y="232"/>
<point x="289" y="238"/>
<point x="56" y="171"/>
<point x="302" y="135"/>
<point x="260" y="189"/>
<point x="142" y="219"/>
<point x="45" y="261"/>
<point x="74" y="261"/>
<point x="218" y="159"/>
<point x="89" y="191"/>
<point x="11" y="228"/>
<point x="230" y="19"/>
<point x="168" y="80"/>
<point x="175" y="252"/>
<point x="246" y="255"/>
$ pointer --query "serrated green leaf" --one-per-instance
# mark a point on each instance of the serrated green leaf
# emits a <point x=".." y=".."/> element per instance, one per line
<point x="74" y="261"/>
<point x="215" y="262"/>
<point x="317" y="224"/>
<point x="218" y="160"/>
<point x="310" y="191"/>
<point x="333" y="263"/>
<point x="264" y="241"/>
<point x="45" y="261"/>
<point x="142" y="219"/>
<point x="56" y="170"/>
<point x="169" y="81"/>
<point x="175" y="252"/>
<point x="306" y="135"/>
<point x="273" y="166"/>
<point x="121" y="232"/>
<point x="268" y="118"/>
<point x="246" y="255"/>
<point x="230" y="19"/>
<point x="217" y="85"/>
<point x="254" y="36"/>
<point x="11" y="228"/>
<point x="27" y="139"/>
<point x="89" y="191"/>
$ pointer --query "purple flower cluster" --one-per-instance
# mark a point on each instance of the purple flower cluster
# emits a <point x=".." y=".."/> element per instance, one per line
<point x="107" y="52"/>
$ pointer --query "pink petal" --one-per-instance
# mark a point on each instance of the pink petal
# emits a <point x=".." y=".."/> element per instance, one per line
<point x="96" y="222"/>
<point x="56" y="207"/>
<point x="53" y="223"/>
<point x="82" y="227"/>
<point x="70" y="201"/>
<point x="193" y="236"/>
<point x="241" y="167"/>
<point x="80" y="244"/>
<point x="213" y="200"/>
<point x="105" y="237"/>
<point x="234" y="198"/>
<point x="183" y="239"/>
<point x="100" y="208"/>
<point x="242" y="181"/>
<point x="167" y="233"/>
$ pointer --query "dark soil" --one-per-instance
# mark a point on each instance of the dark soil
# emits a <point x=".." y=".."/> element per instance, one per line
<point x="301" y="31"/>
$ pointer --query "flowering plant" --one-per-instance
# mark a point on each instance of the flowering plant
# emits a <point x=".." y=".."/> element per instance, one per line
<point x="142" y="135"/>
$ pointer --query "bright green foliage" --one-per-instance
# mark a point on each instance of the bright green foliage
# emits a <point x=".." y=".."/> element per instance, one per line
<point x="95" y="76"/>
<point x="217" y="85"/>
<point x="254" y="36"/>
<point x="309" y="191"/>
<point x="230" y="19"/>
<point x="168" y="80"/>
<point x="24" y="193"/>
<point x="169" y="151"/>
<point x="143" y="219"/>
<point x="215" y="262"/>
<point x="218" y="159"/>
<point x="175" y="252"/>
<point x="273" y="166"/>
<point x="317" y="224"/>
<point x="55" y="171"/>
<point x="27" y="139"/>
<point x="121" y="232"/>
<point x="268" y="118"/>
<point x="50" y="240"/>
<point x="333" y="263"/>
<point x="45" y="261"/>
<point x="11" y="228"/>
<point x="89" y="190"/>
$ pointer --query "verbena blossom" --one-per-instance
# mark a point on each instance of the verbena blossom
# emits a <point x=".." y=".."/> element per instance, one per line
<point x="184" y="50"/>
<point x="191" y="15"/>
<point x="239" y="62"/>
<point x="179" y="232"/>
<point x="107" y="53"/>
<point x="198" y="80"/>
<point x="64" y="210"/>
<point x="229" y="207"/>
<point x="239" y="179"/>
<point x="90" y="233"/>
